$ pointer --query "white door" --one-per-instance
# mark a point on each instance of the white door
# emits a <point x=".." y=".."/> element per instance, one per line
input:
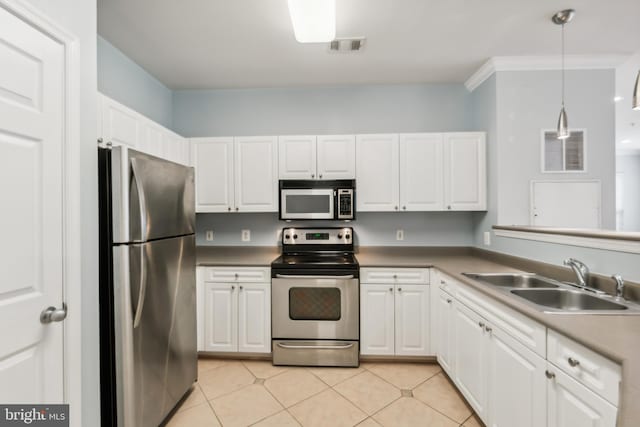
<point x="336" y="157"/>
<point x="377" y="319"/>
<point x="572" y="404"/>
<point x="421" y="172"/>
<point x="465" y="175"/>
<point x="256" y="174"/>
<point x="377" y="173"/>
<point x="470" y="366"/>
<point x="254" y="317"/>
<point x="31" y="159"/>
<point x="412" y="320"/>
<point x="213" y="162"/>
<point x="444" y="330"/>
<point x="221" y="317"/>
<point x="297" y="154"/>
<point x="121" y="125"/>
<point x="517" y="384"/>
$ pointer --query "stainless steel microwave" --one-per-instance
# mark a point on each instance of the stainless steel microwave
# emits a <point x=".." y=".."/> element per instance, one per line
<point x="316" y="199"/>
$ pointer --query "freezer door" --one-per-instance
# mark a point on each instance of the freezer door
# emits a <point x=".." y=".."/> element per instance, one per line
<point x="155" y="333"/>
<point x="152" y="198"/>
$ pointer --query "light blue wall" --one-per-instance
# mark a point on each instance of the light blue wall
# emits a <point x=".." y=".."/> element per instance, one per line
<point x="371" y="229"/>
<point x="629" y="168"/>
<point x="128" y="83"/>
<point x="322" y="110"/>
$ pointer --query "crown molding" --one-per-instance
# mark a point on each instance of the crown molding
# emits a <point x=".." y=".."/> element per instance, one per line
<point x="540" y="63"/>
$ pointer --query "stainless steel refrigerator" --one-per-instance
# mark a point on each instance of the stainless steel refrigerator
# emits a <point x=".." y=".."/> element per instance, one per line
<point x="147" y="286"/>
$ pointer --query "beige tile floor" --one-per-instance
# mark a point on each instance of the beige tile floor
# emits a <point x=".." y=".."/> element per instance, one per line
<point x="256" y="393"/>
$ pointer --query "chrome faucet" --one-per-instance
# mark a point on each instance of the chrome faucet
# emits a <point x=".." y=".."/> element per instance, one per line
<point x="619" y="286"/>
<point x="581" y="270"/>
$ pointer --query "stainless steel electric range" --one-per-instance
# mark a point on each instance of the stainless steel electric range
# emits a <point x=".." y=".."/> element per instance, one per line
<point x="315" y="299"/>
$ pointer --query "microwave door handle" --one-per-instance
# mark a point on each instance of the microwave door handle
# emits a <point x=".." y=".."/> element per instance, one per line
<point x="292" y="276"/>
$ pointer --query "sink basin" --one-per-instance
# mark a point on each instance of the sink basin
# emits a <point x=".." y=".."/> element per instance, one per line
<point x="513" y="280"/>
<point x="567" y="300"/>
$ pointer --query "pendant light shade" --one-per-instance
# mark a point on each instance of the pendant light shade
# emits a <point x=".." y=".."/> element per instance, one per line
<point x="636" y="94"/>
<point x="563" y="125"/>
<point x="561" y="18"/>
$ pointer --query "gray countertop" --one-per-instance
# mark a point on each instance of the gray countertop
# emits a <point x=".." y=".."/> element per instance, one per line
<point x="616" y="337"/>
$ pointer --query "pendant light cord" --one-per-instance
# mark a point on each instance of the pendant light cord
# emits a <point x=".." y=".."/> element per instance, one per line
<point x="562" y="65"/>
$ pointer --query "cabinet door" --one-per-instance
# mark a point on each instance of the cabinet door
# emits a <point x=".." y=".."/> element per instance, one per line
<point x="200" y="319"/>
<point x="517" y="388"/>
<point x="120" y="125"/>
<point x="470" y="367"/>
<point x="412" y="320"/>
<point x="254" y="317"/>
<point x="213" y="162"/>
<point x="377" y="319"/>
<point x="152" y="140"/>
<point x="221" y="317"/>
<point x="336" y="157"/>
<point x="377" y="173"/>
<point x="297" y="156"/>
<point x="256" y="174"/>
<point x="572" y="404"/>
<point x="465" y="178"/>
<point x="421" y="172"/>
<point x="445" y="331"/>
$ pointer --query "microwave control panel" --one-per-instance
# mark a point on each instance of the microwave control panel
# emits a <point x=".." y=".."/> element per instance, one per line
<point x="345" y="203"/>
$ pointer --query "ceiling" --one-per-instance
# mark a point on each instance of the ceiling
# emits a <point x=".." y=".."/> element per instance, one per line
<point x="199" y="44"/>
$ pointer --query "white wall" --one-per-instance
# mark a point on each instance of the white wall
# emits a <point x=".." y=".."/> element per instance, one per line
<point x="629" y="167"/>
<point x="79" y="18"/>
<point x="128" y="83"/>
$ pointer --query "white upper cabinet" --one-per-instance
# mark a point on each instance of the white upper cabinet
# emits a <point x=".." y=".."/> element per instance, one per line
<point x="465" y="175"/>
<point x="336" y="157"/>
<point x="377" y="177"/>
<point x="421" y="172"/>
<point x="120" y="125"/>
<point x="256" y="174"/>
<point x="213" y="162"/>
<point x="317" y="157"/>
<point x="297" y="157"/>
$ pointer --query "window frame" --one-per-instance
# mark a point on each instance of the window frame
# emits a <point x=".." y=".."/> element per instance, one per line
<point x="584" y="170"/>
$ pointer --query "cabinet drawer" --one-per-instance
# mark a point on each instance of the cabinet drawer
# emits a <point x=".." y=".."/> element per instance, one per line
<point x="524" y="329"/>
<point x="445" y="283"/>
<point x="237" y="274"/>
<point x="596" y="372"/>
<point x="394" y="275"/>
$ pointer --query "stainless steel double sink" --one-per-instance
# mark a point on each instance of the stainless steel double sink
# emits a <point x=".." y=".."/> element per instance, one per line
<point x="551" y="296"/>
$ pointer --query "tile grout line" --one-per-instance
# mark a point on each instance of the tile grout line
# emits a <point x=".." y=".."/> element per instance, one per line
<point x="436" y="409"/>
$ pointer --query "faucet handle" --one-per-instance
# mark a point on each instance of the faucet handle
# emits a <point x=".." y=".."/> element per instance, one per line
<point x="619" y="285"/>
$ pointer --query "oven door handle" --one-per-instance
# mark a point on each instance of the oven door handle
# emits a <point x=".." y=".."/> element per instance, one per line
<point x="316" y="347"/>
<point x="291" y="276"/>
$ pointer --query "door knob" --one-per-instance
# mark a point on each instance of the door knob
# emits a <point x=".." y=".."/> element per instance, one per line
<point x="52" y="314"/>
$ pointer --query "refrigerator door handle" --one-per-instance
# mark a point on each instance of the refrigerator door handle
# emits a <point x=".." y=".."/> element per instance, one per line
<point x="141" y="199"/>
<point x="142" y="291"/>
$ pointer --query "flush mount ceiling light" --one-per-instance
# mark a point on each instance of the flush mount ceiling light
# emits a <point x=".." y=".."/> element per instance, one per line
<point x="314" y="21"/>
<point x="561" y="18"/>
<point x="636" y="94"/>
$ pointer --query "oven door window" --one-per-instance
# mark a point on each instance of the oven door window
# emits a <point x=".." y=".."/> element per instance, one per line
<point x="314" y="304"/>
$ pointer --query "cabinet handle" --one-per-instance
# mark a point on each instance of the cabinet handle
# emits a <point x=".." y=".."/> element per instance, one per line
<point x="550" y="374"/>
<point x="573" y="362"/>
<point x="488" y="329"/>
<point x="448" y="301"/>
<point x="481" y="324"/>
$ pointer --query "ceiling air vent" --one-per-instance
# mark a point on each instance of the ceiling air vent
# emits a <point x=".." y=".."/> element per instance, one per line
<point x="347" y="45"/>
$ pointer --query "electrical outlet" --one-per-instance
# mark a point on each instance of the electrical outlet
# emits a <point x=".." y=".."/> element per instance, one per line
<point x="487" y="238"/>
<point x="246" y="235"/>
<point x="399" y="234"/>
<point x="209" y="235"/>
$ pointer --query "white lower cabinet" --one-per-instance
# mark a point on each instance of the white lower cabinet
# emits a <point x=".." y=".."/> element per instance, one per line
<point x="573" y="404"/>
<point x="502" y="374"/>
<point x="233" y="316"/>
<point x="394" y="317"/>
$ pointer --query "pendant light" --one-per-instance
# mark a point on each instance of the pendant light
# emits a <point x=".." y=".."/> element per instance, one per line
<point x="636" y="94"/>
<point x="561" y="18"/>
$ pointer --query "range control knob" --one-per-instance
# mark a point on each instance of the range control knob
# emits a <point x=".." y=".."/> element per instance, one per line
<point x="339" y="235"/>
<point x="347" y="236"/>
<point x="295" y="236"/>
<point x="286" y="236"/>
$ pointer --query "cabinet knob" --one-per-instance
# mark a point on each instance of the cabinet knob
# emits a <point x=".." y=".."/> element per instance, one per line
<point x="488" y="329"/>
<point x="404" y="208"/>
<point x="481" y="324"/>
<point x="313" y="175"/>
<point x="399" y="289"/>
<point x="573" y="362"/>
<point x="396" y="208"/>
<point x="550" y="374"/>
<point x="448" y="301"/>
<point x="237" y="208"/>
<point x="233" y="287"/>
<point x="442" y="282"/>
<point x="395" y="276"/>
<point x="449" y="207"/>
<point x="100" y="140"/>
<point x="229" y="208"/>
<point x="241" y="287"/>
<point x="390" y="289"/>
<point x="320" y="176"/>
<point x="236" y="276"/>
